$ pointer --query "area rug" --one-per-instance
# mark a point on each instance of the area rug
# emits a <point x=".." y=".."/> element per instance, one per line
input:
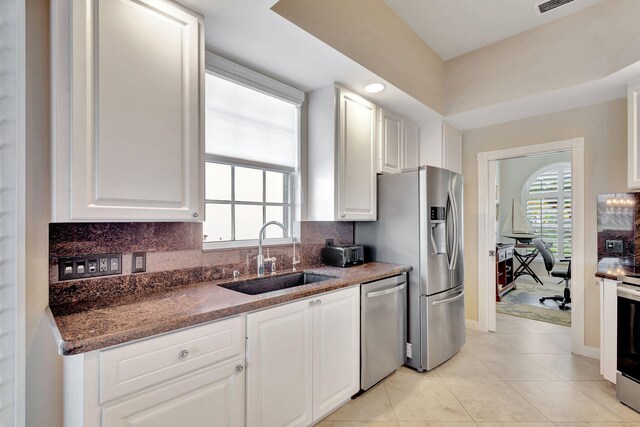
<point x="524" y="302"/>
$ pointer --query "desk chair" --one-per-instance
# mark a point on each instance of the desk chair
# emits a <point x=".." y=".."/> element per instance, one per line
<point x="565" y="275"/>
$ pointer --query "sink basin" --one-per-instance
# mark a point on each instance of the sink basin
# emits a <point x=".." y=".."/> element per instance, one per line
<point x="276" y="283"/>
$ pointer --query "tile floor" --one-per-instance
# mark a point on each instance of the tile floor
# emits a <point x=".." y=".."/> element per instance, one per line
<point x="523" y="375"/>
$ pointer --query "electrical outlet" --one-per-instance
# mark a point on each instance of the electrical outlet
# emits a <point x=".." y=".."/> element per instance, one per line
<point x="139" y="262"/>
<point x="614" y="246"/>
<point x="82" y="267"/>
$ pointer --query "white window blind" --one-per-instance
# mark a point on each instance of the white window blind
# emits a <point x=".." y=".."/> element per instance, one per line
<point x="252" y="146"/>
<point x="547" y="199"/>
<point x="243" y="123"/>
<point x="11" y="230"/>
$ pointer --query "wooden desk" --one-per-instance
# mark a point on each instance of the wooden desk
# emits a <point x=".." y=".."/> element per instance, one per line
<point x="505" y="280"/>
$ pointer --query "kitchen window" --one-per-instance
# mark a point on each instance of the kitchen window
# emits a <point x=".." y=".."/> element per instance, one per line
<point x="252" y="147"/>
<point x="547" y="200"/>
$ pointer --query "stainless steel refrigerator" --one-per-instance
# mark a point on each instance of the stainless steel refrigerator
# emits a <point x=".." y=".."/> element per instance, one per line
<point x="420" y="224"/>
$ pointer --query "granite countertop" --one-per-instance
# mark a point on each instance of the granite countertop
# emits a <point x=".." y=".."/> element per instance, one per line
<point x="611" y="268"/>
<point x="138" y="316"/>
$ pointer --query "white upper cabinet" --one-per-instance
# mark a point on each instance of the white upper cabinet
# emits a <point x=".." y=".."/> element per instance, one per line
<point x="410" y="146"/>
<point x="451" y="148"/>
<point x="342" y="156"/>
<point x="128" y="96"/>
<point x="633" y="110"/>
<point x="390" y="142"/>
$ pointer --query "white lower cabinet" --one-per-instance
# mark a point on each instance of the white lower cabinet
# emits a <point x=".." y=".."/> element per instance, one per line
<point x="211" y="398"/>
<point x="608" y="329"/>
<point x="303" y="359"/>
<point x="193" y="378"/>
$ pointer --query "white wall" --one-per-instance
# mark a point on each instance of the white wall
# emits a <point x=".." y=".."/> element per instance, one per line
<point x="44" y="368"/>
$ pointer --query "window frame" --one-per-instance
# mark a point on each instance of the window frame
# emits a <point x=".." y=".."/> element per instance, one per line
<point x="560" y="195"/>
<point x="288" y="192"/>
<point x="230" y="71"/>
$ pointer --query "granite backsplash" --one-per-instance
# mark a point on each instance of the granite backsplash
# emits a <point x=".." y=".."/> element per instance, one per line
<point x="619" y="228"/>
<point x="174" y="256"/>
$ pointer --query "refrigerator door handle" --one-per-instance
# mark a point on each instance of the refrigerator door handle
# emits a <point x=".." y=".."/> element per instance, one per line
<point x="454" y="214"/>
<point x="456" y="224"/>
<point x="444" y="301"/>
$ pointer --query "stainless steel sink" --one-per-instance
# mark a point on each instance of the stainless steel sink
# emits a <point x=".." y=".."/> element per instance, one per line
<point x="276" y="283"/>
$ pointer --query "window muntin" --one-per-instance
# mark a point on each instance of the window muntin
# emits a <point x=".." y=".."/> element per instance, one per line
<point x="547" y="201"/>
<point x="243" y="198"/>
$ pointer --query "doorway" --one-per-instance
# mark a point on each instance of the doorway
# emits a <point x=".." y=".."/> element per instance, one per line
<point x="487" y="238"/>
<point x="533" y="198"/>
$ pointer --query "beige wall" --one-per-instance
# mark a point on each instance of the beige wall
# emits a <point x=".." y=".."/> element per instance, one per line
<point x="43" y="365"/>
<point x="372" y="34"/>
<point x="604" y="128"/>
<point x="582" y="47"/>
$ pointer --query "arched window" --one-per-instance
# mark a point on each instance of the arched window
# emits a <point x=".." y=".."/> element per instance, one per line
<point x="547" y="199"/>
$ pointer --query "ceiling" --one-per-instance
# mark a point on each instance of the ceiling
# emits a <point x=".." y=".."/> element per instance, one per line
<point x="249" y="33"/>
<point x="455" y="27"/>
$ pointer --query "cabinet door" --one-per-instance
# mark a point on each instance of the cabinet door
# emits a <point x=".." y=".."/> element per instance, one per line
<point x="609" y="329"/>
<point x="279" y="366"/>
<point x="336" y="350"/>
<point x="410" y="145"/>
<point x="136" y="137"/>
<point x="389" y="142"/>
<point x="213" y="397"/>
<point x="451" y="148"/>
<point x="633" y="140"/>
<point x="356" y="146"/>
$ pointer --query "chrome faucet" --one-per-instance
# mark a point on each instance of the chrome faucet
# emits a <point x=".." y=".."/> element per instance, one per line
<point x="260" y="237"/>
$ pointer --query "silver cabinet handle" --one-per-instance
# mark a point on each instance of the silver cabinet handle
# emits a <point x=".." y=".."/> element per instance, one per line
<point x="386" y="291"/>
<point x="239" y="368"/>
<point x="444" y="301"/>
<point x="195" y="214"/>
<point x="312" y="303"/>
<point x="318" y="302"/>
<point x="184" y="354"/>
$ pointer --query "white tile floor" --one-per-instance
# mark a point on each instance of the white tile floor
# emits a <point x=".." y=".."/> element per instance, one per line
<point x="523" y="375"/>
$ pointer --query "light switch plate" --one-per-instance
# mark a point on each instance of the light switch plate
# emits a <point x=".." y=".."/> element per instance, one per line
<point x="139" y="262"/>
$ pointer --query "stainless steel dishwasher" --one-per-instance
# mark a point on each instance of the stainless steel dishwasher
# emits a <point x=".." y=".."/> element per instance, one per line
<point x="383" y="323"/>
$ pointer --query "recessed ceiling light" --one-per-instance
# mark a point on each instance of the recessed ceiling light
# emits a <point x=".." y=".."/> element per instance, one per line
<point x="374" y="88"/>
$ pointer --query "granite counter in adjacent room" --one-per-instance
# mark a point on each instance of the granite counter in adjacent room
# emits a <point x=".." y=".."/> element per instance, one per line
<point x="612" y="270"/>
<point x="139" y="314"/>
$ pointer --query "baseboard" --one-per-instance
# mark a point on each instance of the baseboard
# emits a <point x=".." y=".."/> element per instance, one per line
<point x="472" y="324"/>
<point x="591" y="352"/>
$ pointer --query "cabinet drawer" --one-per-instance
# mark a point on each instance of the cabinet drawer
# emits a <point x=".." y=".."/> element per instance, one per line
<point x="137" y="366"/>
<point x="509" y="254"/>
<point x="502" y="255"/>
<point x="209" y="398"/>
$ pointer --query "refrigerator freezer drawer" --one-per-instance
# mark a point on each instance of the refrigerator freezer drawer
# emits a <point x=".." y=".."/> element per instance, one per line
<point x="444" y="332"/>
<point x="383" y="328"/>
